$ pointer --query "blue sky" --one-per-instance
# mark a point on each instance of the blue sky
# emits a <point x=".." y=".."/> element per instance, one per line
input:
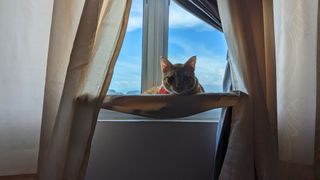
<point x="188" y="36"/>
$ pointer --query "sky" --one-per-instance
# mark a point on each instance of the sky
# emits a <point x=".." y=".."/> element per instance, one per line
<point x="188" y="36"/>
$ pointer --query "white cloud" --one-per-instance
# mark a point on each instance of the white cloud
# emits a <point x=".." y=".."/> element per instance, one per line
<point x="136" y="13"/>
<point x="134" y="23"/>
<point x="180" y="18"/>
<point x="210" y="70"/>
<point x="127" y="75"/>
<point x="190" y="47"/>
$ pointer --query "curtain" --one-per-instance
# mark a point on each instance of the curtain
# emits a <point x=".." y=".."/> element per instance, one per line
<point x="224" y="126"/>
<point x="317" y="129"/>
<point x="86" y="36"/>
<point x="297" y="52"/>
<point x="252" y="148"/>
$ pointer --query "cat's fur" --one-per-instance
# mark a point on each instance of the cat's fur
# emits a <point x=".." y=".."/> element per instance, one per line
<point x="177" y="78"/>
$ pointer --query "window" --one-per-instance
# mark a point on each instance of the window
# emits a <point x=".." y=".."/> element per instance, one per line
<point x="189" y="36"/>
<point x="127" y="73"/>
<point x="158" y="28"/>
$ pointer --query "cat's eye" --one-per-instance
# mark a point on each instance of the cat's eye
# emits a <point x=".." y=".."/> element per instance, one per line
<point x="171" y="79"/>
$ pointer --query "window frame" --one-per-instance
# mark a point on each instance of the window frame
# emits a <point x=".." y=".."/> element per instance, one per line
<point x="155" y="30"/>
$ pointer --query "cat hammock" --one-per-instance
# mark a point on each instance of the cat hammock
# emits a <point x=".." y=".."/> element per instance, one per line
<point x="170" y="106"/>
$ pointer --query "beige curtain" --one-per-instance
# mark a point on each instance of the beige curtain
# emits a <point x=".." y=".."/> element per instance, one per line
<point x="252" y="149"/>
<point x="86" y="36"/>
<point x="296" y="30"/>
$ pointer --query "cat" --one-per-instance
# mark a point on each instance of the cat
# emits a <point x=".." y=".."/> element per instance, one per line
<point x="177" y="79"/>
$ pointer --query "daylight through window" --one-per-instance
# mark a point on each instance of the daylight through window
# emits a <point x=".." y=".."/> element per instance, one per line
<point x="187" y="36"/>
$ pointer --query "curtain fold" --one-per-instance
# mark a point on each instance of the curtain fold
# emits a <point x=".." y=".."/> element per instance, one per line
<point x="317" y="129"/>
<point x="296" y="29"/>
<point x="222" y="140"/>
<point x="65" y="20"/>
<point x="252" y="148"/>
<point x="224" y="126"/>
<point x="297" y="52"/>
<point x="86" y="37"/>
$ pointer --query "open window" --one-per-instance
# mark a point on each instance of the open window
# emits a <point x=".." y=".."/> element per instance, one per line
<point x="163" y="28"/>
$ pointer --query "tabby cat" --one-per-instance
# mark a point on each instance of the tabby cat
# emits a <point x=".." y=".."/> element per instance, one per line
<point x="177" y="78"/>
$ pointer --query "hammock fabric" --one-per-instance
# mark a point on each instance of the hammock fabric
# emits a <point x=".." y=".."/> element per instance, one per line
<point x="170" y="106"/>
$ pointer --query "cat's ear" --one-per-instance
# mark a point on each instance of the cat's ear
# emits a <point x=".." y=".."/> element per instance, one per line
<point x="165" y="64"/>
<point x="190" y="64"/>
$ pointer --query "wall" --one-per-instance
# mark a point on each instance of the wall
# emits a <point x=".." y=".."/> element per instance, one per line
<point x="152" y="150"/>
<point x="24" y="37"/>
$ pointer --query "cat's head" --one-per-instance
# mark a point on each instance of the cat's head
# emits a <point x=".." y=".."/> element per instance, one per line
<point x="178" y="78"/>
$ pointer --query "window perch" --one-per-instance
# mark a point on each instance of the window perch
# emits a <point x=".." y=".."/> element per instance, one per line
<point x="170" y="106"/>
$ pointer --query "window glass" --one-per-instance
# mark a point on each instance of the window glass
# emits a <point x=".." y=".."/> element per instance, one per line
<point x="189" y="36"/>
<point x="127" y="73"/>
